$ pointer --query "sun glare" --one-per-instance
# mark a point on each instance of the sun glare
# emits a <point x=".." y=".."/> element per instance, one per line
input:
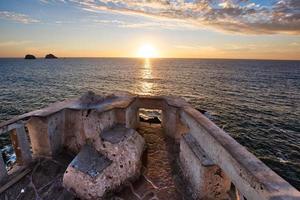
<point x="147" y="51"/>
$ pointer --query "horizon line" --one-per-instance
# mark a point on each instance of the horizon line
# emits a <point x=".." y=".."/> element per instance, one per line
<point x="124" y="57"/>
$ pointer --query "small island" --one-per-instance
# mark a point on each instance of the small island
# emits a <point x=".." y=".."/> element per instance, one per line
<point x="50" y="56"/>
<point x="29" y="56"/>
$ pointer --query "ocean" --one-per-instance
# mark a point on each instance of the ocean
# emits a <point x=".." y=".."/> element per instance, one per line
<point x="256" y="101"/>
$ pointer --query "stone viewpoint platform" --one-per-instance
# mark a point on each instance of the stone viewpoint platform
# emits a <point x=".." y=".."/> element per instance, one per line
<point x="95" y="147"/>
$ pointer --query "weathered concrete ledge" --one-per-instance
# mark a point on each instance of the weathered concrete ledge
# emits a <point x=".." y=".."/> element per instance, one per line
<point x="72" y="124"/>
<point x="250" y="175"/>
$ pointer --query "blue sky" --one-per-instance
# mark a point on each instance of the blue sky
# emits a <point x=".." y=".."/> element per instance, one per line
<point x="94" y="28"/>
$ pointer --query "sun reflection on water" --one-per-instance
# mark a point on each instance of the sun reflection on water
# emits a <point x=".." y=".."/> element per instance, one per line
<point x="146" y="75"/>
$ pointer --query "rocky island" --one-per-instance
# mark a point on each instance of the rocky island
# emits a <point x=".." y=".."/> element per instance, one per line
<point x="29" y="56"/>
<point x="50" y="56"/>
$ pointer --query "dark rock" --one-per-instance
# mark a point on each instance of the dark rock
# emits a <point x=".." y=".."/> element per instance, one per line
<point x="153" y="120"/>
<point x="50" y="56"/>
<point x="29" y="56"/>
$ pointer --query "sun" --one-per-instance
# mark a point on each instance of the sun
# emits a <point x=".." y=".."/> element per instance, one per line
<point x="147" y="51"/>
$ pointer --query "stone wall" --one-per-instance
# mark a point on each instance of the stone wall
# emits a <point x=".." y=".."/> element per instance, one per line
<point x="73" y="123"/>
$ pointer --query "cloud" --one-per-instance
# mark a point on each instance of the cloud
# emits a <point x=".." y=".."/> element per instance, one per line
<point x="237" y="48"/>
<point x="226" y="48"/>
<point x="50" y="1"/>
<point x="17" y="17"/>
<point x="13" y="43"/>
<point x="295" y="44"/>
<point x="175" y="25"/>
<point x="239" y="16"/>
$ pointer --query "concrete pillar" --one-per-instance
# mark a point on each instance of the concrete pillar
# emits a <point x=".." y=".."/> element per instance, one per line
<point x="38" y="133"/>
<point x="120" y="116"/>
<point x="171" y="122"/>
<point x="74" y="137"/>
<point x="132" y="116"/>
<point x="21" y="145"/>
<point x="56" y="129"/>
<point x="47" y="134"/>
<point x="3" y="172"/>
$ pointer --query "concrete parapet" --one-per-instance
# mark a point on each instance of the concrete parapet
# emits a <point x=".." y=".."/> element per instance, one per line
<point x="253" y="179"/>
<point x="74" y="123"/>
<point x="207" y="179"/>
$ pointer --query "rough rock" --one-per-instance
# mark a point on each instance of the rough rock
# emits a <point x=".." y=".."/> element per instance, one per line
<point x="29" y="56"/>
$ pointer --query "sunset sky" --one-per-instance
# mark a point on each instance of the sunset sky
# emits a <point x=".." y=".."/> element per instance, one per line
<point x="254" y="29"/>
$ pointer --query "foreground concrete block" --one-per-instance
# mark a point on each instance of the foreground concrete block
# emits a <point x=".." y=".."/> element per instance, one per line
<point x="86" y="171"/>
<point x="206" y="179"/>
<point x="106" y="164"/>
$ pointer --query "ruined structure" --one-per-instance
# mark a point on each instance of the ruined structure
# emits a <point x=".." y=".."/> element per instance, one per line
<point x="109" y="145"/>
